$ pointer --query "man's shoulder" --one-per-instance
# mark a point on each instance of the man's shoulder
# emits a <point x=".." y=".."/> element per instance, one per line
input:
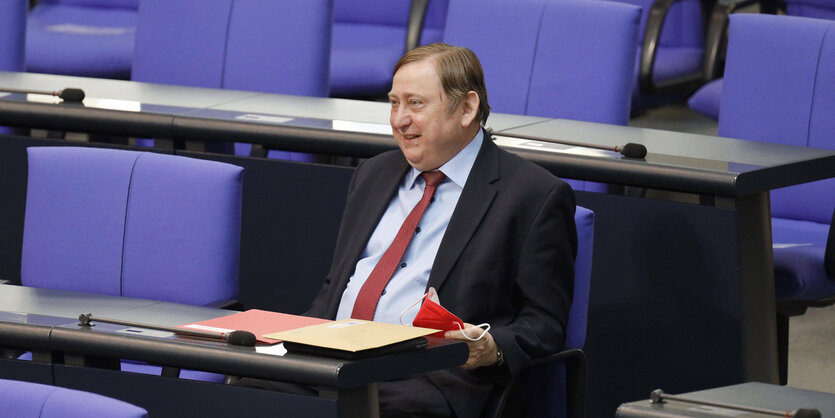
<point x="514" y="167"/>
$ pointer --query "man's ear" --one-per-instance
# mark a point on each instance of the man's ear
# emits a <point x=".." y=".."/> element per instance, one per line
<point x="470" y="108"/>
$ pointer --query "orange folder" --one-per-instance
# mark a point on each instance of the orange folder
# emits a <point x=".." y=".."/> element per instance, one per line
<point x="257" y="322"/>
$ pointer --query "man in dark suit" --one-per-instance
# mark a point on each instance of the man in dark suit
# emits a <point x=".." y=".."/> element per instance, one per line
<point x="498" y="240"/>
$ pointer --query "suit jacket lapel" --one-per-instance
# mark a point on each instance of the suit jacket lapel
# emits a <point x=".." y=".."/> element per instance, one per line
<point x="476" y="198"/>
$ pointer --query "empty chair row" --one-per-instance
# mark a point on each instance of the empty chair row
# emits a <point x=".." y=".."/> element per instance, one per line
<point x="96" y="38"/>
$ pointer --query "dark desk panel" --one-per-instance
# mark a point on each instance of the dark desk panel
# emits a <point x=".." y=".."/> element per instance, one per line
<point x="84" y="355"/>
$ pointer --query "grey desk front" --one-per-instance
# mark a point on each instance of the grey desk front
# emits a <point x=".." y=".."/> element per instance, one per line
<point x="782" y="399"/>
<point x="700" y="269"/>
<point x="46" y="320"/>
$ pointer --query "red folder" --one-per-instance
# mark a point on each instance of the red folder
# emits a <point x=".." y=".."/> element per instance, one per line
<point x="257" y="322"/>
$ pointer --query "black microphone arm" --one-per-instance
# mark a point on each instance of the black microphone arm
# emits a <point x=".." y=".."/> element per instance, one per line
<point x="68" y="94"/>
<point x="630" y="150"/>
<point x="658" y="396"/>
<point x="242" y="338"/>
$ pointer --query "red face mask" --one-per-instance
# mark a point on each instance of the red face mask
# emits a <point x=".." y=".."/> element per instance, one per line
<point x="432" y="315"/>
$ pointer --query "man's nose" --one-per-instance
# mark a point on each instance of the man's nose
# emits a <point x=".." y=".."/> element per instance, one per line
<point x="400" y="118"/>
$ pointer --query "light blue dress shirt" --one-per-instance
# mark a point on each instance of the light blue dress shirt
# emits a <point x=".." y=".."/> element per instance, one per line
<point x="408" y="284"/>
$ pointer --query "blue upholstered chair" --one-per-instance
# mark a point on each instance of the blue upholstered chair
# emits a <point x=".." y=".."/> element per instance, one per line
<point x="669" y="59"/>
<point x="260" y="45"/>
<point x="369" y="36"/>
<point x="33" y="400"/>
<point x="555" y="385"/>
<point x="131" y="223"/>
<point x="91" y="38"/>
<point x="13" y="33"/>
<point x="707" y="99"/>
<point x="559" y="59"/>
<point x="778" y="88"/>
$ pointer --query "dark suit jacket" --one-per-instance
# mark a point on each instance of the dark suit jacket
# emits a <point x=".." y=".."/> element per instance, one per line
<point x="507" y="258"/>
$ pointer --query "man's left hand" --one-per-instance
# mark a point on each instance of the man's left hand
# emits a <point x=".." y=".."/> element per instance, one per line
<point x="483" y="352"/>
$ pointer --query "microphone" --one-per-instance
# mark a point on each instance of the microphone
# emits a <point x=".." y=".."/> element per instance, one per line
<point x="241" y="338"/>
<point x="630" y="150"/>
<point x="68" y="94"/>
<point x="658" y="396"/>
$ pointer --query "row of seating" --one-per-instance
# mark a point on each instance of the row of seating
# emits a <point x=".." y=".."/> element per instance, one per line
<point x="96" y="38"/>
<point x="165" y="227"/>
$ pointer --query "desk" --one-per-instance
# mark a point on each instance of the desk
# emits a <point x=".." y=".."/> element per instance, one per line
<point x="682" y="288"/>
<point x="46" y="320"/>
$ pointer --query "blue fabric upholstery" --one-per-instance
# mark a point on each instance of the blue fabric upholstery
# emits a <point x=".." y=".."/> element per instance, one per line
<point x="778" y="88"/>
<point x="581" y="70"/>
<point x="13" y="33"/>
<point x="559" y="59"/>
<point x="706" y="100"/>
<point x="369" y="37"/>
<point x="132" y="224"/>
<point x="92" y="38"/>
<point x="32" y="400"/>
<point x="265" y="45"/>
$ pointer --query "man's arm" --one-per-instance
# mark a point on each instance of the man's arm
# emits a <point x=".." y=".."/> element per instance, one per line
<point x="544" y="284"/>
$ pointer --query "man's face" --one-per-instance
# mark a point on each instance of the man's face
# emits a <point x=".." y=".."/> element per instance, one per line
<point x="427" y="134"/>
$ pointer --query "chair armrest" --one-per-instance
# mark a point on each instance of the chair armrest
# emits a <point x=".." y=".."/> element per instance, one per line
<point x="657" y="14"/>
<point x="575" y="384"/>
<point x="417" y="13"/>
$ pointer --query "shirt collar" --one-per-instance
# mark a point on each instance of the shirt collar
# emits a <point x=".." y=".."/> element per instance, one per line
<point x="458" y="168"/>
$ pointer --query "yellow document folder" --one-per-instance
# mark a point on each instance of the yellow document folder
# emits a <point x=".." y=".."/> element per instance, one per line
<point x="351" y="334"/>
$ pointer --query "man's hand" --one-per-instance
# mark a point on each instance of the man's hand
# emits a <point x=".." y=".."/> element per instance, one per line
<point x="483" y="352"/>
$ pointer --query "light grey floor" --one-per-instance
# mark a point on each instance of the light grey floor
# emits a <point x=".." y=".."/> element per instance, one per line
<point x="811" y="336"/>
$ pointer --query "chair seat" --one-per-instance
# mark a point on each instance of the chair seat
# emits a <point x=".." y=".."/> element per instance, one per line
<point x="707" y="99"/>
<point x="799" y="272"/>
<point x="673" y="62"/>
<point x="80" y="41"/>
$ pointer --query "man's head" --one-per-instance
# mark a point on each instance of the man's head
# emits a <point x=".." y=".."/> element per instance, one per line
<point x="438" y="102"/>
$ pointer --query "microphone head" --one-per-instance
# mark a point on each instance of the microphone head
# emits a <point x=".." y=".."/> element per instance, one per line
<point x="806" y="413"/>
<point x="242" y="338"/>
<point x="633" y="150"/>
<point x="72" y="95"/>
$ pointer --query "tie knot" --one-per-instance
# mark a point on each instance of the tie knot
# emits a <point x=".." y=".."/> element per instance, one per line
<point x="433" y="178"/>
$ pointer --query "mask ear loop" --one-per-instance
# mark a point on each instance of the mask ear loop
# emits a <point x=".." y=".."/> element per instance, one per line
<point x="485" y="325"/>
<point x="400" y="318"/>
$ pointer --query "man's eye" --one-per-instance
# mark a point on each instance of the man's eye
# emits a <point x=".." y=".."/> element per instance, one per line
<point x="414" y="102"/>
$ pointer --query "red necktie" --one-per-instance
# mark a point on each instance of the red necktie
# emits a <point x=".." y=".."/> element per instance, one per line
<point x="369" y="294"/>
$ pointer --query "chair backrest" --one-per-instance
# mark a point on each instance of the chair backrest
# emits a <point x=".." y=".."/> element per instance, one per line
<point x="103" y="4"/>
<point x="368" y="14"/>
<point x="578" y="315"/>
<point x="90" y="38"/>
<point x="778" y="88"/>
<point x="132" y="223"/>
<point x="566" y="59"/>
<point x="821" y="9"/>
<point x="33" y="400"/>
<point x="260" y="45"/>
<point x="13" y="33"/>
